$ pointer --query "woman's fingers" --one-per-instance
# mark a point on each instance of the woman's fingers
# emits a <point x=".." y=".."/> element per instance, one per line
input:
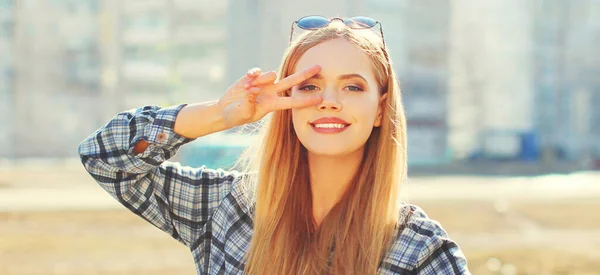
<point x="254" y="72"/>
<point x="297" y="78"/>
<point x="259" y="83"/>
<point x="282" y="103"/>
<point x="267" y="80"/>
<point x="276" y="102"/>
<point x="250" y="75"/>
<point x="252" y="94"/>
<point x="264" y="79"/>
<point x="254" y="90"/>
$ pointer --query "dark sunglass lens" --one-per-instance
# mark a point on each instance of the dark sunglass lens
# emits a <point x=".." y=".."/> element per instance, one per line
<point x="360" y="22"/>
<point x="312" y="22"/>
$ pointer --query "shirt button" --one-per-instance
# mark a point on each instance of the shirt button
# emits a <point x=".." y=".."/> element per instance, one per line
<point x="161" y="137"/>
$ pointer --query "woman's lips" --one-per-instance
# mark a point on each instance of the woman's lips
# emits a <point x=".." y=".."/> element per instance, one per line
<point x="329" y="125"/>
<point x="329" y="128"/>
<point x="328" y="120"/>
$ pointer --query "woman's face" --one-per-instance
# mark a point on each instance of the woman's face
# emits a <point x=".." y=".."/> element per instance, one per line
<point x="351" y="106"/>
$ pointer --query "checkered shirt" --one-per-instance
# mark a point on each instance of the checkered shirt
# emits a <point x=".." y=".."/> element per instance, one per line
<point x="202" y="208"/>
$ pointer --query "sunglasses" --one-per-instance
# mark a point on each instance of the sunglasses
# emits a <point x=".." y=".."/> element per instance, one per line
<point x="314" y="22"/>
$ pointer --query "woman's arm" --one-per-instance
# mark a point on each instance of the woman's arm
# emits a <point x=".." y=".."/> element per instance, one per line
<point x="128" y="157"/>
<point x="189" y="125"/>
<point x="179" y="200"/>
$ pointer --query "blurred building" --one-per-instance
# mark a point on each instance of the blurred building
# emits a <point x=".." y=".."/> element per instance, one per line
<point x="523" y="79"/>
<point x="491" y="77"/>
<point x="6" y="78"/>
<point x="55" y="64"/>
<point x="514" y="80"/>
<point x="172" y="50"/>
<point x="416" y="34"/>
<point x="567" y="82"/>
<point x="66" y="67"/>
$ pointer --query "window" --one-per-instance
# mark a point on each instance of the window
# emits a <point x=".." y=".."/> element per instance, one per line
<point x="6" y="3"/>
<point x="82" y="67"/>
<point x="91" y="6"/>
<point x="192" y="51"/>
<point x="146" y="21"/>
<point x="6" y="29"/>
<point x="155" y="54"/>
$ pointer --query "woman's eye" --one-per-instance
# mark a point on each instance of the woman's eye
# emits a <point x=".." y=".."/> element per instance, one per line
<point x="308" y="87"/>
<point x="354" y="88"/>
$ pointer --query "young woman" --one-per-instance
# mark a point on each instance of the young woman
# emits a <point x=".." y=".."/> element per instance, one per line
<point x="321" y="194"/>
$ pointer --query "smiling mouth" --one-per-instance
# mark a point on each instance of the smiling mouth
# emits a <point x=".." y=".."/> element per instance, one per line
<point x="329" y="128"/>
<point x="330" y="125"/>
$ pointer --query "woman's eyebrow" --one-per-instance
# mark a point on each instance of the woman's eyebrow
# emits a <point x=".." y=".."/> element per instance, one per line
<point x="348" y="76"/>
<point x="341" y="77"/>
<point x="317" y="76"/>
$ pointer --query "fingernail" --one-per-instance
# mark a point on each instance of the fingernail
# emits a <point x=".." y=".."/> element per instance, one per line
<point x="247" y="86"/>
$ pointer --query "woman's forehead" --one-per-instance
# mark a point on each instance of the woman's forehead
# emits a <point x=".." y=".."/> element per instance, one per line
<point x="337" y="57"/>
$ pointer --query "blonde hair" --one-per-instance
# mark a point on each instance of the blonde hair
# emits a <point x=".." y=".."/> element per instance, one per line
<point x="361" y="227"/>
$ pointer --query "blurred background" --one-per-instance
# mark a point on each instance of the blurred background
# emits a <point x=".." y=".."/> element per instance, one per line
<point x="504" y="138"/>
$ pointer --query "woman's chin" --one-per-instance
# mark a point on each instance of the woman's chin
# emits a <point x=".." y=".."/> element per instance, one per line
<point x="338" y="150"/>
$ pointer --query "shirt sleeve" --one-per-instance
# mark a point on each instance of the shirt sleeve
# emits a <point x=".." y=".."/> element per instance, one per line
<point x="438" y="253"/>
<point x="177" y="199"/>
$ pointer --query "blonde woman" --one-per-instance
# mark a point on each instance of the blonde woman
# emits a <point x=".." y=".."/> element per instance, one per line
<point x="321" y="193"/>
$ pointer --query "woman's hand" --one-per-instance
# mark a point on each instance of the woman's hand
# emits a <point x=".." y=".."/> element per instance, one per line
<point x="256" y="94"/>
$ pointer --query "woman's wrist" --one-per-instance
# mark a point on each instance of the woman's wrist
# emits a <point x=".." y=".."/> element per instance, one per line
<point x="199" y="119"/>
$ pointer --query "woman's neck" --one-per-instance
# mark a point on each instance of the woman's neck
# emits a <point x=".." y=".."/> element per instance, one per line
<point x="330" y="178"/>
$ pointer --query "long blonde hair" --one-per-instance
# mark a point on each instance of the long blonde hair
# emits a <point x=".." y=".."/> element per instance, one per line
<point x="358" y="230"/>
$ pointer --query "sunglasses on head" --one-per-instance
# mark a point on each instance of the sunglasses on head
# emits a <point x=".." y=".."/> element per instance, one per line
<point x="314" y="22"/>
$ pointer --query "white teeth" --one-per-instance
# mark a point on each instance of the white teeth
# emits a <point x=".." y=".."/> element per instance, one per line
<point x="330" y="125"/>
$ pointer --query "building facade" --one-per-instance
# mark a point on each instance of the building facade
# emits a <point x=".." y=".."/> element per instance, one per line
<point x="7" y="122"/>
<point x="510" y="79"/>
<point x="66" y="67"/>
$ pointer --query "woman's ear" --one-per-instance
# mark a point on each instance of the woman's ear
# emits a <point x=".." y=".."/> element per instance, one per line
<point x="379" y="117"/>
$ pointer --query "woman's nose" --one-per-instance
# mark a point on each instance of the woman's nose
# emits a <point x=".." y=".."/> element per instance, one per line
<point x="330" y="101"/>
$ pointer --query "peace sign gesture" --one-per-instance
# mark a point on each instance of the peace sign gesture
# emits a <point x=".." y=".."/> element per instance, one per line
<point x="256" y="94"/>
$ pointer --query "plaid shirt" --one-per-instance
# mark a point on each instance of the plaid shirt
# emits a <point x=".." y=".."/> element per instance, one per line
<point x="202" y="208"/>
